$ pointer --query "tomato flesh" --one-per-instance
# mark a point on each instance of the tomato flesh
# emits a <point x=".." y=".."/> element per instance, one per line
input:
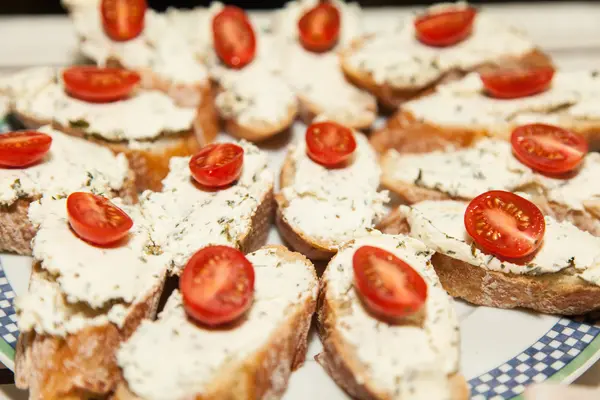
<point x="217" y="285"/>
<point x="329" y="143"/>
<point x="23" y="148"/>
<point x="96" y="220"/>
<point x="217" y="165"/>
<point x="388" y="286"/>
<point x="234" y="38"/>
<point x="445" y="28"/>
<point x="505" y="224"/>
<point x="123" y="20"/>
<point x="511" y="83"/>
<point x="319" y="28"/>
<point x="99" y="85"/>
<point x="547" y="148"/>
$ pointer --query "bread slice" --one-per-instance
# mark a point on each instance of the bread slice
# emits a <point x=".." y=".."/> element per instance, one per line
<point x="363" y="121"/>
<point x="262" y="372"/>
<point x="347" y="359"/>
<point x="562" y="292"/>
<point x="259" y="131"/>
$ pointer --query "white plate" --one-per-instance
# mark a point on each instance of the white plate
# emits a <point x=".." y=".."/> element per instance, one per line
<point x="502" y="350"/>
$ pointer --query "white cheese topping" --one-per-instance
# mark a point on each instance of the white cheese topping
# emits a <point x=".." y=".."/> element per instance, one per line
<point x="145" y="115"/>
<point x="440" y="225"/>
<point x="193" y="357"/>
<point x="490" y="165"/>
<point x="27" y="82"/>
<point x="70" y="165"/>
<point x="402" y="361"/>
<point x="464" y="103"/>
<point x="400" y="60"/>
<point x="187" y="218"/>
<point x="335" y="205"/>
<point x="97" y="276"/>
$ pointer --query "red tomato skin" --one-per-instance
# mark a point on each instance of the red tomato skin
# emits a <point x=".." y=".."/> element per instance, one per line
<point x="522" y="135"/>
<point x="536" y="220"/>
<point x="517" y="83"/>
<point x="207" y="174"/>
<point x="325" y="153"/>
<point x="214" y="312"/>
<point x="15" y="153"/>
<point x="329" y="37"/>
<point x="388" y="308"/>
<point x="91" y="84"/>
<point x="135" y="18"/>
<point x="224" y="52"/>
<point x="78" y="204"/>
<point x="449" y="38"/>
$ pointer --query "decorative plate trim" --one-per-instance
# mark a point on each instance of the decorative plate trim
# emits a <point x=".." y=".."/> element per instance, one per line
<point x="557" y="355"/>
<point x="9" y="331"/>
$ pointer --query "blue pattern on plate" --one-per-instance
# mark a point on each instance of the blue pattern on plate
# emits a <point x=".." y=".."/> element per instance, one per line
<point x="8" y="318"/>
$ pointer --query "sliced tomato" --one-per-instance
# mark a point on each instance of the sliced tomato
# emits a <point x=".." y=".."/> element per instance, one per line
<point x="217" y="165"/>
<point x="505" y="224"/>
<point x="217" y="285"/>
<point x="319" y="28"/>
<point x="515" y="82"/>
<point x="123" y="19"/>
<point x="23" y="148"/>
<point x="99" y="85"/>
<point x="96" y="220"/>
<point x="445" y="28"/>
<point x="388" y="286"/>
<point x="548" y="148"/>
<point x="234" y="38"/>
<point x="329" y="143"/>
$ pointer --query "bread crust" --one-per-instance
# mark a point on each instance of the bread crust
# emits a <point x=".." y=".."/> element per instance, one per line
<point x="265" y="374"/>
<point x="259" y="132"/>
<point x="81" y="365"/>
<point x="308" y="111"/>
<point x="260" y="224"/>
<point x="341" y="363"/>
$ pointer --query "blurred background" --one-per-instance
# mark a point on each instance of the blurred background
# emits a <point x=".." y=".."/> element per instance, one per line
<point x="53" y="6"/>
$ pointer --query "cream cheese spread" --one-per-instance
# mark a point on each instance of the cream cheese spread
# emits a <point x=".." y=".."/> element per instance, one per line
<point x="400" y="60"/>
<point x="334" y="205"/>
<point x="440" y="225"/>
<point x="145" y="115"/>
<point x="187" y="217"/>
<point x="70" y="165"/>
<point x="193" y="357"/>
<point x="490" y="165"/>
<point x="402" y="361"/>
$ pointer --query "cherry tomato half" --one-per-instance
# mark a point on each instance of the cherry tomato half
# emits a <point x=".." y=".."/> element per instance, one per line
<point x="218" y="164"/>
<point x="99" y="85"/>
<point x="547" y="148"/>
<point x="329" y="143"/>
<point x="123" y="19"/>
<point x="217" y="285"/>
<point x="445" y="28"/>
<point x="388" y="286"/>
<point x="319" y="28"/>
<point x="505" y="224"/>
<point x="23" y="148"/>
<point x="234" y="38"/>
<point x="511" y="83"/>
<point x="96" y="220"/>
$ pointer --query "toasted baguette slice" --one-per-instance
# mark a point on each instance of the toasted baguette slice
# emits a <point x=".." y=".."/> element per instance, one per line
<point x="562" y="292"/>
<point x="355" y="185"/>
<point x="373" y="359"/>
<point x="259" y="131"/>
<point x="253" y="363"/>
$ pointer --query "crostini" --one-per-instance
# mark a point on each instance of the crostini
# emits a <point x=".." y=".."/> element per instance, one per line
<point x="240" y="341"/>
<point x="389" y="330"/>
<point x="548" y="163"/>
<point x="328" y="194"/>
<point x="221" y="195"/>
<point x="499" y="251"/>
<point x="104" y="106"/>
<point x="310" y="34"/>
<point x="49" y="162"/>
<point x="441" y="44"/>
<point x="93" y="281"/>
